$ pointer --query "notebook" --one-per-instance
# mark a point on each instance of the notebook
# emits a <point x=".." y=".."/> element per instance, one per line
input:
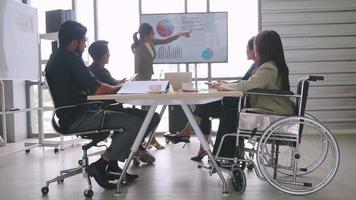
<point x="142" y="87"/>
<point x="177" y="78"/>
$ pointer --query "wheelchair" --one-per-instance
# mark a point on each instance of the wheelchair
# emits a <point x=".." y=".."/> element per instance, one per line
<point x="295" y="154"/>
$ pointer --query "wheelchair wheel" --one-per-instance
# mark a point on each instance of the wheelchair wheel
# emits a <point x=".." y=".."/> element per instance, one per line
<point x="238" y="180"/>
<point x="298" y="155"/>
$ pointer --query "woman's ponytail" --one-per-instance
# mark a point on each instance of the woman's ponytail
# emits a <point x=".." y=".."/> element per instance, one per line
<point x="135" y="43"/>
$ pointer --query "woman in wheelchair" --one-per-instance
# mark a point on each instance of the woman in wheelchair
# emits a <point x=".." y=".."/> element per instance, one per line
<point x="204" y="112"/>
<point x="271" y="73"/>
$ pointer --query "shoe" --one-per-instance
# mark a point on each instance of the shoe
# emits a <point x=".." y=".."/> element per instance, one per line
<point x="145" y="157"/>
<point x="100" y="176"/>
<point x="177" y="138"/>
<point x="156" y="145"/>
<point x="199" y="157"/>
<point x="114" y="172"/>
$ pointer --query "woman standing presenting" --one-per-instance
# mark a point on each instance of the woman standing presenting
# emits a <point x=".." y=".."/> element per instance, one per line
<point x="143" y="48"/>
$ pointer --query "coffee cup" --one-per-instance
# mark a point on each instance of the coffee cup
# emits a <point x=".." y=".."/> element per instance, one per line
<point x="155" y="88"/>
<point x="188" y="86"/>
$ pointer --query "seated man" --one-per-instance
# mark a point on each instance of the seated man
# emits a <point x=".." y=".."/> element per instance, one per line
<point x="99" y="51"/>
<point x="69" y="81"/>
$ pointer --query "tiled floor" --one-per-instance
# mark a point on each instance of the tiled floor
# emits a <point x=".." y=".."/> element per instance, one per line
<point x="173" y="176"/>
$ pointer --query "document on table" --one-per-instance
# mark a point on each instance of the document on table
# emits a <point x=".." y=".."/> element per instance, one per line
<point x="143" y="87"/>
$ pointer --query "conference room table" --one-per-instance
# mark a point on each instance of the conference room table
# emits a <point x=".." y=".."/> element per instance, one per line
<point x="184" y="99"/>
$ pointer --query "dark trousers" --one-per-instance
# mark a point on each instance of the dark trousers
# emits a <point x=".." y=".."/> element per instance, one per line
<point x="207" y="111"/>
<point x="214" y="110"/>
<point x="228" y="124"/>
<point x="130" y="120"/>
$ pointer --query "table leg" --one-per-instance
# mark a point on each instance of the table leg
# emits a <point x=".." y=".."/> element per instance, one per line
<point x="136" y="144"/>
<point x="205" y="145"/>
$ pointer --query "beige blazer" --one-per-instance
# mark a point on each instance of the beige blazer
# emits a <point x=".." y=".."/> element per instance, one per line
<point x="144" y="59"/>
<point x="265" y="77"/>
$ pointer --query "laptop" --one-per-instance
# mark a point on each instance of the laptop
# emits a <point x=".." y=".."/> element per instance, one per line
<point x="177" y="78"/>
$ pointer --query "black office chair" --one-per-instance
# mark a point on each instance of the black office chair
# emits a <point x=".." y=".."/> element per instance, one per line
<point x="95" y="136"/>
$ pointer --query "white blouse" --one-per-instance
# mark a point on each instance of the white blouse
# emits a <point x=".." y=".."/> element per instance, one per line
<point x="149" y="47"/>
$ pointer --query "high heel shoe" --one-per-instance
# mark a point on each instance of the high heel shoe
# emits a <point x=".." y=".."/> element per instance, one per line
<point x="199" y="157"/>
<point x="156" y="145"/>
<point x="177" y="138"/>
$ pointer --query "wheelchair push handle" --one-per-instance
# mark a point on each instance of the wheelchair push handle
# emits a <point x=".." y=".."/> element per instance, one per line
<point x="316" y="78"/>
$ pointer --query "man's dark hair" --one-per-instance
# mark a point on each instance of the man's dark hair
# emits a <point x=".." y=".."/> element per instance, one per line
<point x="69" y="31"/>
<point x="98" y="49"/>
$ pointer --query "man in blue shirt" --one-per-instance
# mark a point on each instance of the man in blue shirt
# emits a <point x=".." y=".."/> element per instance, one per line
<point x="99" y="51"/>
<point x="69" y="81"/>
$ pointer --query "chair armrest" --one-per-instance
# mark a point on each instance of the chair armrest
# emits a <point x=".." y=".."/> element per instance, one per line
<point x="55" y="124"/>
<point x="90" y="103"/>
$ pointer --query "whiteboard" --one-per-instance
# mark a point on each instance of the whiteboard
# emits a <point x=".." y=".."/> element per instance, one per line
<point x="19" y="54"/>
<point x="207" y="42"/>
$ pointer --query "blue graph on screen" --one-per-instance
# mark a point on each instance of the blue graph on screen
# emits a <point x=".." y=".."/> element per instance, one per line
<point x="169" y="52"/>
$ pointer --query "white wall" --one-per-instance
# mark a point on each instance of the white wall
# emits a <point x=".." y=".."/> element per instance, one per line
<point x="19" y="101"/>
<point x="16" y="124"/>
<point x="15" y="97"/>
<point x="319" y="37"/>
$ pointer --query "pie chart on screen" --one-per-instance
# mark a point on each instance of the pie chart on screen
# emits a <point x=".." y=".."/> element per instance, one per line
<point x="207" y="54"/>
<point x="165" y="28"/>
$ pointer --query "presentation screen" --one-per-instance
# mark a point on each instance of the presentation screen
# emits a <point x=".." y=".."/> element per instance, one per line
<point x="207" y="42"/>
<point x="18" y="41"/>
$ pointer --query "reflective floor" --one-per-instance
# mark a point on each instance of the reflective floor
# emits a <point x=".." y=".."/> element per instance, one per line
<point x="173" y="176"/>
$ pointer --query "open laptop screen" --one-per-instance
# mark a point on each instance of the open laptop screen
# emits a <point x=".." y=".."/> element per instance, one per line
<point x="177" y="78"/>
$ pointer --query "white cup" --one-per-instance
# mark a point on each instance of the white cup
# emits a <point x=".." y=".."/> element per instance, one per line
<point x="188" y="86"/>
<point x="155" y="88"/>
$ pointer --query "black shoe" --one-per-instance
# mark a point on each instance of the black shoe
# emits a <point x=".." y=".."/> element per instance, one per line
<point x="100" y="176"/>
<point x="199" y="157"/>
<point x="177" y="138"/>
<point x="114" y="172"/>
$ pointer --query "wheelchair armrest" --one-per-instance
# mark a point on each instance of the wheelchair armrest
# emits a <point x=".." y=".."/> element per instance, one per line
<point x="270" y="92"/>
<point x="315" y="78"/>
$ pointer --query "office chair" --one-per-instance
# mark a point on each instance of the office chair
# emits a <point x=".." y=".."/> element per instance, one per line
<point x="95" y="136"/>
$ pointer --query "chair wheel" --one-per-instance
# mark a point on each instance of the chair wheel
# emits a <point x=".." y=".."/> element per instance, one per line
<point x="27" y="151"/>
<point x="88" y="193"/>
<point x="60" y="181"/>
<point x="136" y="163"/>
<point x="124" y="182"/>
<point x="238" y="180"/>
<point x="80" y="162"/>
<point x="250" y="166"/>
<point x="44" y="190"/>
<point x="56" y="150"/>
